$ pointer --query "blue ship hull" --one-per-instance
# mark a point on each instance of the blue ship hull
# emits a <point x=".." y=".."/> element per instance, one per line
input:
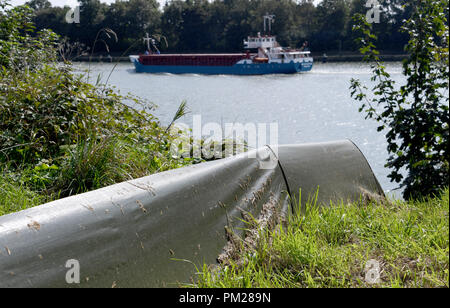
<point x="236" y="69"/>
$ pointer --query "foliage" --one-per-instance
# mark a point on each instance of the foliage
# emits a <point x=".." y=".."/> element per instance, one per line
<point x="15" y="196"/>
<point x="416" y="114"/>
<point x="19" y="49"/>
<point x="331" y="246"/>
<point x="60" y="135"/>
<point x="218" y="26"/>
<point x="37" y="113"/>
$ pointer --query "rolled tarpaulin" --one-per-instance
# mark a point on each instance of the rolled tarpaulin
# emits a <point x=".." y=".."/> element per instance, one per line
<point x="150" y="232"/>
<point x="336" y="171"/>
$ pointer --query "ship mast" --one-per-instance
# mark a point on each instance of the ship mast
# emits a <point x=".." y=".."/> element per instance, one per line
<point x="147" y="41"/>
<point x="270" y="19"/>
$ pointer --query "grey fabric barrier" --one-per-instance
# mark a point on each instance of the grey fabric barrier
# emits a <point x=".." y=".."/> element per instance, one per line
<point x="336" y="170"/>
<point x="137" y="233"/>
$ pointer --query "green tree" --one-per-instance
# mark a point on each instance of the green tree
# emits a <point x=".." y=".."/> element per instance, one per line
<point x="172" y="22"/>
<point x="416" y="114"/>
<point x="92" y="16"/>
<point x="241" y="15"/>
<point x="218" y="25"/>
<point x="332" y="16"/>
<point x="131" y="19"/>
<point x="39" y="4"/>
<point x="54" y="18"/>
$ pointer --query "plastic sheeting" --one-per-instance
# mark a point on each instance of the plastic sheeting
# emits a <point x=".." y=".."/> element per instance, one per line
<point x="150" y="232"/>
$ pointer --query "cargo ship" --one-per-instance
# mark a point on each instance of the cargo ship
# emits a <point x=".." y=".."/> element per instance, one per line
<point x="270" y="58"/>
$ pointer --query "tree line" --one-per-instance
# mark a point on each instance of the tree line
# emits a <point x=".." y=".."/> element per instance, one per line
<point x="221" y="25"/>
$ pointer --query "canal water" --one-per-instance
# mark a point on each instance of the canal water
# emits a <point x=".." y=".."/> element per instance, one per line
<point x="308" y="107"/>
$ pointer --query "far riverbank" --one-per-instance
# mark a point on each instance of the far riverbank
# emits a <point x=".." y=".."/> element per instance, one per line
<point x="317" y="58"/>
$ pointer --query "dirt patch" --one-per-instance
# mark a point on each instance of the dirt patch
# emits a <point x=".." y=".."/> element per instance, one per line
<point x="34" y="225"/>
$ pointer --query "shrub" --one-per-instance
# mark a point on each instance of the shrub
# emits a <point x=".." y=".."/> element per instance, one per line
<point x="61" y="134"/>
<point x="415" y="115"/>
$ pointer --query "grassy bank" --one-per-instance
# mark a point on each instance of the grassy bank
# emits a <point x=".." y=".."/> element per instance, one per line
<point x="62" y="133"/>
<point x="407" y="243"/>
<point x="90" y="164"/>
<point x="15" y="197"/>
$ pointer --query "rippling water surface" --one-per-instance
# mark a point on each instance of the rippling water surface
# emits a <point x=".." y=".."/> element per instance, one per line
<point x="308" y="107"/>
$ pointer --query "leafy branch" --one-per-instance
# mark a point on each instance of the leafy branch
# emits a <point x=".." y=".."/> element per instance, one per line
<point x="415" y="114"/>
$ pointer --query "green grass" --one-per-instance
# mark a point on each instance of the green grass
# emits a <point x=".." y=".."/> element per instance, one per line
<point x="16" y="197"/>
<point x="330" y="247"/>
<point x="85" y="166"/>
